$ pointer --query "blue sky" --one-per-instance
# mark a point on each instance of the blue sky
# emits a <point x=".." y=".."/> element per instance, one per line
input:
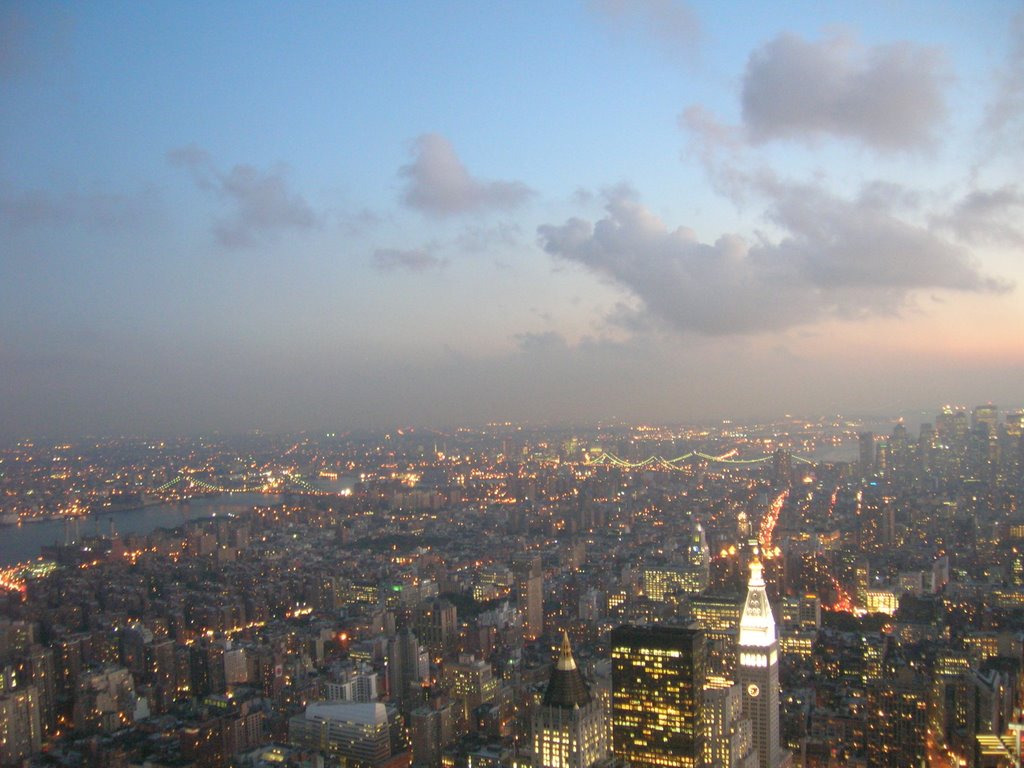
<point x="268" y="215"/>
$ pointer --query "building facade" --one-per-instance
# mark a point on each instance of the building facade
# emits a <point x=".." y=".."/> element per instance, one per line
<point x="658" y="676"/>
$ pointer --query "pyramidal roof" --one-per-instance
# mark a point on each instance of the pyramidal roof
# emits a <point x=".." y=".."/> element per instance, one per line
<point x="566" y="688"/>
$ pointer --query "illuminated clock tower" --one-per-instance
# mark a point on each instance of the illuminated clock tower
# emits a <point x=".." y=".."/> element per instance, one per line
<point x="757" y="670"/>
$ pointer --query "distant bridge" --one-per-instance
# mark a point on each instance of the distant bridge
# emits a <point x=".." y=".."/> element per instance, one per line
<point x="271" y="486"/>
<point x="678" y="463"/>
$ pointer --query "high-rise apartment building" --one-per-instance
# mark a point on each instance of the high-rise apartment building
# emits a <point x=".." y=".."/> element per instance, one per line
<point x="20" y="728"/>
<point x="658" y="675"/>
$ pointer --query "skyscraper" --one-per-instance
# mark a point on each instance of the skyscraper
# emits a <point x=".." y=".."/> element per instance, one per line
<point x="437" y="626"/>
<point x="568" y="727"/>
<point x="529" y="584"/>
<point x="898" y="724"/>
<point x="757" y="669"/>
<point x="408" y="663"/>
<point x="658" y="675"/>
<point x="728" y="739"/>
<point x="698" y="556"/>
<point x="866" y="444"/>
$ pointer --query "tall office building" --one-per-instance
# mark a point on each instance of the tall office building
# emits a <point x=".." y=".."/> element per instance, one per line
<point x="432" y="728"/>
<point x="658" y="675"/>
<point x="569" y="726"/>
<point x="986" y="417"/>
<point x="897" y="731"/>
<point x="728" y="741"/>
<point x="866" y="445"/>
<point x="529" y="584"/>
<point x="408" y="664"/>
<point x="437" y="627"/>
<point x="698" y="556"/>
<point x="472" y="683"/>
<point x="719" y="617"/>
<point x="757" y="669"/>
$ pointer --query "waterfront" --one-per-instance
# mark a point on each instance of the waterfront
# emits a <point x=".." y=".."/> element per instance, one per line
<point x="23" y="542"/>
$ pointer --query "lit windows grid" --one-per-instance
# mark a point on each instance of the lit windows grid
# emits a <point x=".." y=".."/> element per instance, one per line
<point x="656" y="705"/>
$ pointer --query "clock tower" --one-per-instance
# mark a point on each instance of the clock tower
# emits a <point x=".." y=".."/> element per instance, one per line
<point x="757" y="670"/>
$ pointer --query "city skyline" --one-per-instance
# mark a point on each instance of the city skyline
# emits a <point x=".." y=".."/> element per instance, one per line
<point x="232" y="218"/>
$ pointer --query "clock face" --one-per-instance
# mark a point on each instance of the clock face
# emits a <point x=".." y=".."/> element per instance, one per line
<point x="753" y="690"/>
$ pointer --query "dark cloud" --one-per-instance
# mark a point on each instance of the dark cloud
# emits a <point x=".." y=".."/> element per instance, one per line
<point x="889" y="97"/>
<point x="262" y="204"/>
<point x="417" y="260"/>
<point x="673" y="23"/>
<point x="835" y="258"/>
<point x="988" y="216"/>
<point x="437" y="183"/>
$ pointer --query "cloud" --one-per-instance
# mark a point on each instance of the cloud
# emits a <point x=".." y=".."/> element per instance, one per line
<point x="484" y="239"/>
<point x="1006" y="112"/>
<point x="193" y="157"/>
<point x="835" y="258"/>
<point x="438" y="184"/>
<point x="261" y="202"/>
<point x="719" y="147"/>
<point x="673" y="23"/>
<point x="988" y="216"/>
<point x="889" y="97"/>
<point x="837" y="245"/>
<point x="417" y="260"/>
<point x="546" y="342"/>
<point x="97" y="211"/>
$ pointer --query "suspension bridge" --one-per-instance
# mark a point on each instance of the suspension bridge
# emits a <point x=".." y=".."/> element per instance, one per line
<point x="682" y="462"/>
<point x="275" y="485"/>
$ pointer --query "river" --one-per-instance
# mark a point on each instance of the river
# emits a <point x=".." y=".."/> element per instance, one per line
<point x="19" y="543"/>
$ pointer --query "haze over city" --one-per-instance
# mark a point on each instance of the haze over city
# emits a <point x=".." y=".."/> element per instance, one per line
<point x="367" y="214"/>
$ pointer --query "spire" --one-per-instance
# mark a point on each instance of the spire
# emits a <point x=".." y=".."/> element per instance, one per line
<point x="566" y="662"/>
<point x="757" y="625"/>
<point x="566" y="688"/>
<point x="756" y="570"/>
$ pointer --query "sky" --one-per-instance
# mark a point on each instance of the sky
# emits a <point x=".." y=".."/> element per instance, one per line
<point x="298" y="216"/>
